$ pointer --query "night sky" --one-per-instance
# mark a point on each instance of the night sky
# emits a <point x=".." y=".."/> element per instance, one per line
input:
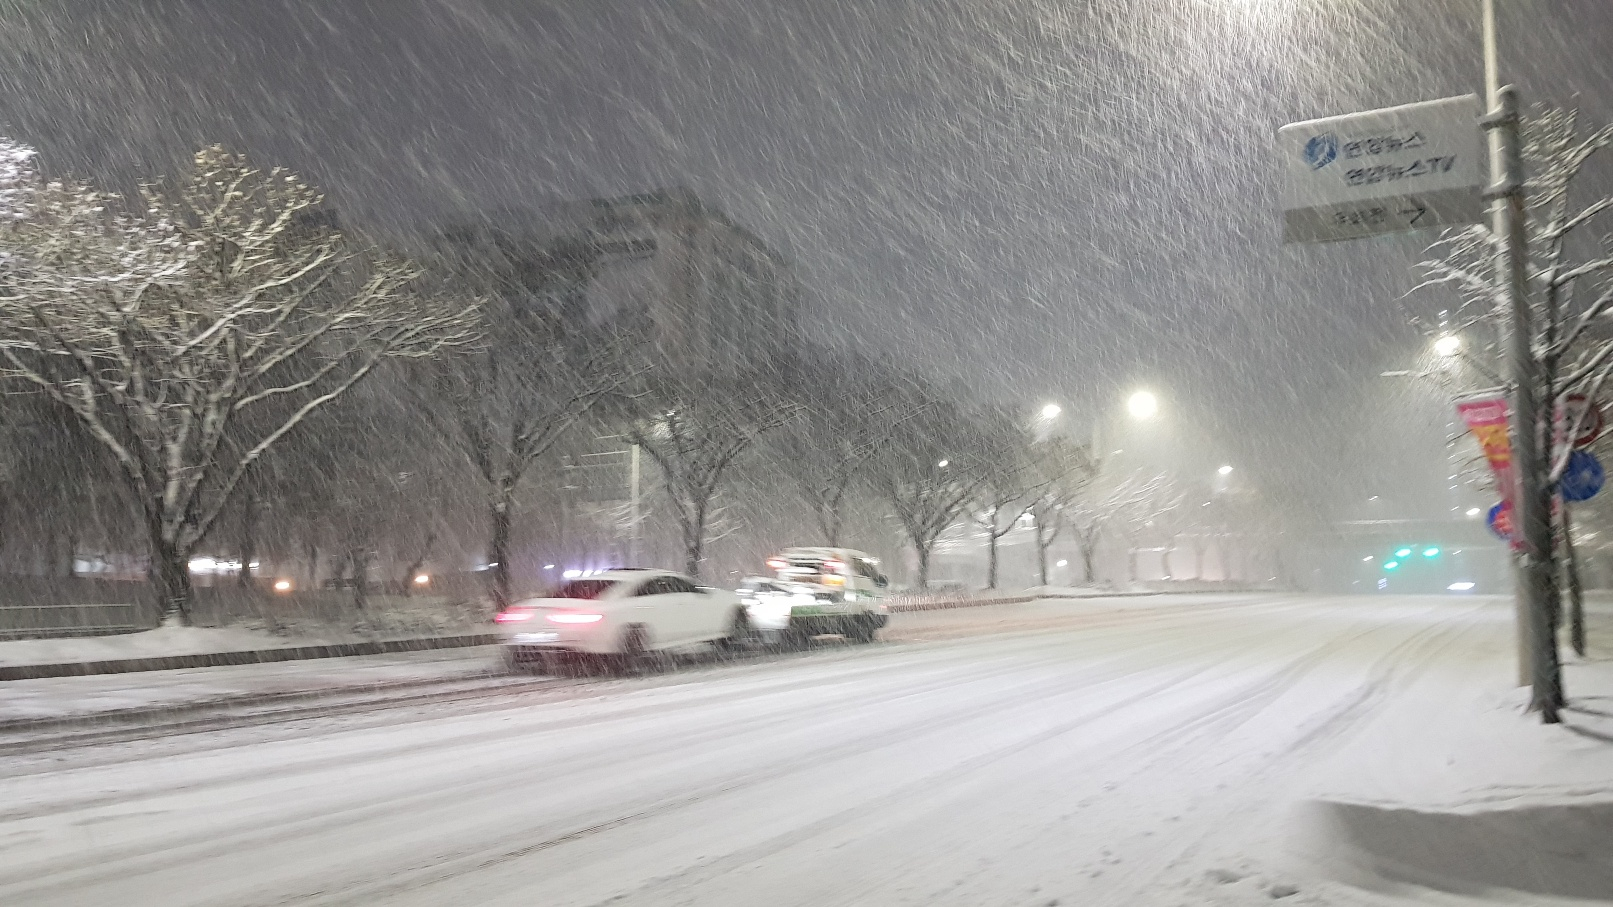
<point x="1048" y="199"/>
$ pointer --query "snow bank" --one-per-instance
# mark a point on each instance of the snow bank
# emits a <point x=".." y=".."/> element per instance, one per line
<point x="1458" y="789"/>
<point x="1561" y="850"/>
<point x="148" y="644"/>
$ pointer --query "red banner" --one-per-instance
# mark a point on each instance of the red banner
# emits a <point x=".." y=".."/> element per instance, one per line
<point x="1486" y="417"/>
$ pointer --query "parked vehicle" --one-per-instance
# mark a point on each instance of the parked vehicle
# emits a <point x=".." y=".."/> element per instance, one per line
<point x="619" y="618"/>
<point x="847" y="590"/>
<point x="769" y="602"/>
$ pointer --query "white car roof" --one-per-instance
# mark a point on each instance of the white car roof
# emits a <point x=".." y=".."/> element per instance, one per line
<point x="826" y="553"/>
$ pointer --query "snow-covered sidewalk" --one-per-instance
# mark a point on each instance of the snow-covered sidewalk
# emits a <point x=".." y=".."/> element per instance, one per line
<point x="109" y="694"/>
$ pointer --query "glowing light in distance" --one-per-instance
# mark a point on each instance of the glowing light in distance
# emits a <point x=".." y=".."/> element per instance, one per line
<point x="282" y="585"/>
<point x="1051" y="411"/>
<point x="1448" y="345"/>
<point x="1460" y="587"/>
<point x="1225" y="470"/>
<point x="1143" y="405"/>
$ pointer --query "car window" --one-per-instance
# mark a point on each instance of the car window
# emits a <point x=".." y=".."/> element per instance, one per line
<point x="681" y="585"/>
<point x="655" y="586"/>
<point x="584" y="588"/>
<point x="866" y="569"/>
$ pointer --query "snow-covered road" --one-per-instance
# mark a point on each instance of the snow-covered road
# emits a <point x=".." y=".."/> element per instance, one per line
<point x="1052" y="753"/>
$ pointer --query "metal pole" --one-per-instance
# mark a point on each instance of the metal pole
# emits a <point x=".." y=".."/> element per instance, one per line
<point x="1532" y="500"/>
<point x="633" y="487"/>
<point x="1498" y="228"/>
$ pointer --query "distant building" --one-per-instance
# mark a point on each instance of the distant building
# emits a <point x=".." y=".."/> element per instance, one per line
<point x="705" y="291"/>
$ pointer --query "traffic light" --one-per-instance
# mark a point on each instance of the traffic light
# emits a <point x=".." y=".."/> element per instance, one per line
<point x="1404" y="552"/>
<point x="1431" y="551"/>
<point x="1391" y="565"/>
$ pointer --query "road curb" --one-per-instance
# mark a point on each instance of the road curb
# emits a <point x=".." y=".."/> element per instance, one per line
<point x="1021" y="599"/>
<point x="243" y="657"/>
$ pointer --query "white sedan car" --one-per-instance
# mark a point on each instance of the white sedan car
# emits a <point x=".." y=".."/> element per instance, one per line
<point x="619" y="616"/>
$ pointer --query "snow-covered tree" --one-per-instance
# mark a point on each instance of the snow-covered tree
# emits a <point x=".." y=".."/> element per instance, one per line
<point x="930" y="471"/>
<point x="1010" y="483"/>
<point x="1109" y="502"/>
<point x="843" y="417"/>
<point x="1064" y="471"/>
<point x="1569" y="279"/>
<point x="535" y="375"/>
<point x="695" y="426"/>
<point x="164" y="327"/>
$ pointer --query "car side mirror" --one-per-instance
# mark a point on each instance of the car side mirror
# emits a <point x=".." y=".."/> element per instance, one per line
<point x="881" y="581"/>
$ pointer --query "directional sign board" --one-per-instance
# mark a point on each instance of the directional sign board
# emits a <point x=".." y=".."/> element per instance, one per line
<point x="1384" y="171"/>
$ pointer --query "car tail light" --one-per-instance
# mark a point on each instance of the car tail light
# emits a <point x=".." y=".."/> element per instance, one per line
<point x="834" y="566"/>
<point x="777" y="563"/>
<point x="575" y="618"/>
<point x="510" y="617"/>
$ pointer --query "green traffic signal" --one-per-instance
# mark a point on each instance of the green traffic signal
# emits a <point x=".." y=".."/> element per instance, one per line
<point x="1430" y="552"/>
<point x="1404" y="552"/>
<point x="1390" y="565"/>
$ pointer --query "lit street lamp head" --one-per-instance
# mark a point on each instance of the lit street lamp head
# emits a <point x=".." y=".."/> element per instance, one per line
<point x="1143" y="405"/>
<point x="1448" y="345"/>
<point x="1051" y="411"/>
<point x="1225" y="470"/>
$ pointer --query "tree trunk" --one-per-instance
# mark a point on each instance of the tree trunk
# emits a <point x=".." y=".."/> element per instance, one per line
<point x="1089" y="573"/>
<point x="498" y="549"/>
<point x="418" y="564"/>
<point x="312" y="550"/>
<point x="1041" y="554"/>
<point x="249" y="538"/>
<point x="924" y="565"/>
<point x="694" y="544"/>
<point x="1131" y="563"/>
<point x="1576" y="591"/>
<point x="991" y="560"/>
<point x="360" y="559"/>
<point x="170" y="572"/>
<point x="71" y="554"/>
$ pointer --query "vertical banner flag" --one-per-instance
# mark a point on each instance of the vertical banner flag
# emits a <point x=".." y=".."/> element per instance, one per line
<point x="1486" y="417"/>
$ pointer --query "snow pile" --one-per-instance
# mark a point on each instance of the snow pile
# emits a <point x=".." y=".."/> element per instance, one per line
<point x="1467" y="794"/>
<point x="156" y="643"/>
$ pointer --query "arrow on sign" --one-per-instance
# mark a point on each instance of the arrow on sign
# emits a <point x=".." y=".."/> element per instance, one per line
<point x="1416" y="212"/>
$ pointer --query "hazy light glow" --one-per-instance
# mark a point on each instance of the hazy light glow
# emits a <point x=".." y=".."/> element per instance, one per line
<point x="282" y="585"/>
<point x="1225" y="470"/>
<point x="1430" y="552"/>
<point x="1448" y="345"/>
<point x="1051" y="411"/>
<point x="943" y="464"/>
<point x="1143" y="405"/>
<point x="1404" y="552"/>
<point x="1474" y="511"/>
<point x="421" y="579"/>
<point x="1391" y="565"/>
<point x="1463" y="586"/>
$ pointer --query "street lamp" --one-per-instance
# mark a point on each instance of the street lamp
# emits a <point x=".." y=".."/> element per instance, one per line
<point x="1448" y="345"/>
<point x="1143" y="405"/>
<point x="1051" y="411"/>
<point x="1225" y="471"/>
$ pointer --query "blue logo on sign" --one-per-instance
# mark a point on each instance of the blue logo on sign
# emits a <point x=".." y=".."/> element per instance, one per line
<point x="1321" y="150"/>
